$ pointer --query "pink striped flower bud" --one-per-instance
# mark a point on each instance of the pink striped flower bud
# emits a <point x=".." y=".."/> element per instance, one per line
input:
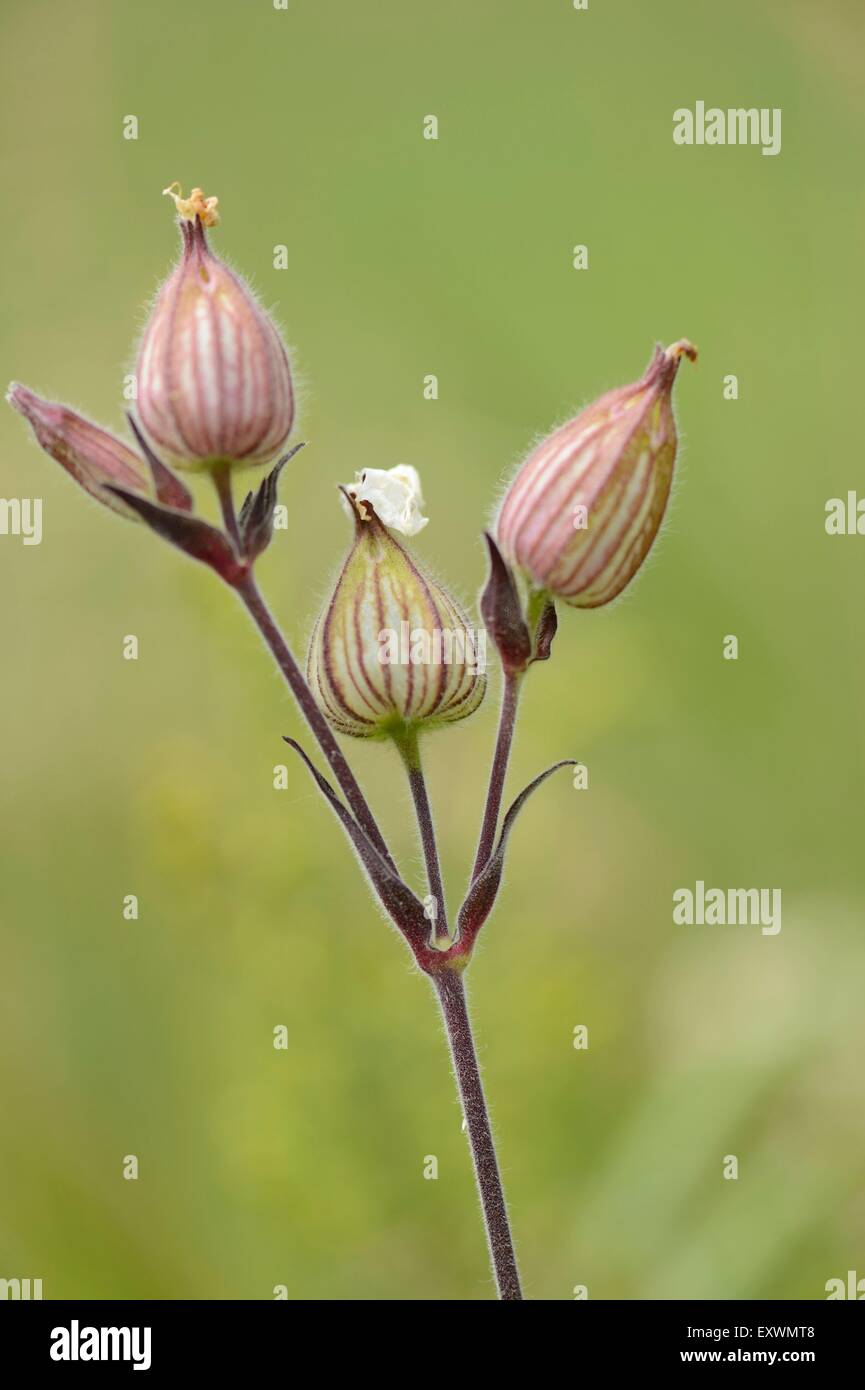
<point x="96" y="459"/>
<point x="214" y="383"/>
<point x="581" y="514"/>
<point x="392" y="650"/>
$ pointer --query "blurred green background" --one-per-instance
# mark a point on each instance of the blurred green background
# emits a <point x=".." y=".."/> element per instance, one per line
<point x="408" y="257"/>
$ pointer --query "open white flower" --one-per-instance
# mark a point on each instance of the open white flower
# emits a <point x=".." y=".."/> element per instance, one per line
<point x="394" y="494"/>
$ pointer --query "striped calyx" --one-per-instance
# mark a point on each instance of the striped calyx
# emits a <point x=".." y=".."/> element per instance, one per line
<point x="214" y="382"/>
<point x="392" y="650"/>
<point x="96" y="459"/>
<point x="581" y="514"/>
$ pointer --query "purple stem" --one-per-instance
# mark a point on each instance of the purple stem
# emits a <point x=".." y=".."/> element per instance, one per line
<point x="410" y="751"/>
<point x="452" y="998"/>
<point x="507" y="720"/>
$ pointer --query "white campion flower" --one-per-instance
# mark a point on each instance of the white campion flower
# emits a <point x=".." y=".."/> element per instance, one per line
<point x="394" y="494"/>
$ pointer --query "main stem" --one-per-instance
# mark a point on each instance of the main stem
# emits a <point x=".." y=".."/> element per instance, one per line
<point x="452" y="998"/>
<point x="507" y="722"/>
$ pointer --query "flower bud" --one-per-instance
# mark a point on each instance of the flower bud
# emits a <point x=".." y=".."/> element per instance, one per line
<point x="392" y="649"/>
<point x="214" y="384"/>
<point x="581" y="514"/>
<point x="92" y="456"/>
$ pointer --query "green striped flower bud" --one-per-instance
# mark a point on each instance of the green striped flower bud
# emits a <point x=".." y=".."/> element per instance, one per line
<point x="392" y="650"/>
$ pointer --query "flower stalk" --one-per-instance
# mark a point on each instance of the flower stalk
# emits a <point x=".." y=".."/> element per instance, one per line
<point x="511" y="686"/>
<point x="409" y="750"/>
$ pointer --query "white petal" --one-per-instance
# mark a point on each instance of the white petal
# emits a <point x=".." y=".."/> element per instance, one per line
<point x="394" y="494"/>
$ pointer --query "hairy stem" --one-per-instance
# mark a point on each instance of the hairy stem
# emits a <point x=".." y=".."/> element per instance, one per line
<point x="512" y="682"/>
<point x="452" y="998"/>
<point x="410" y="751"/>
<point x="255" y="605"/>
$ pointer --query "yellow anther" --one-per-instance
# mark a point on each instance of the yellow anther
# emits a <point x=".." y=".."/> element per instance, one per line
<point x="196" y="205"/>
